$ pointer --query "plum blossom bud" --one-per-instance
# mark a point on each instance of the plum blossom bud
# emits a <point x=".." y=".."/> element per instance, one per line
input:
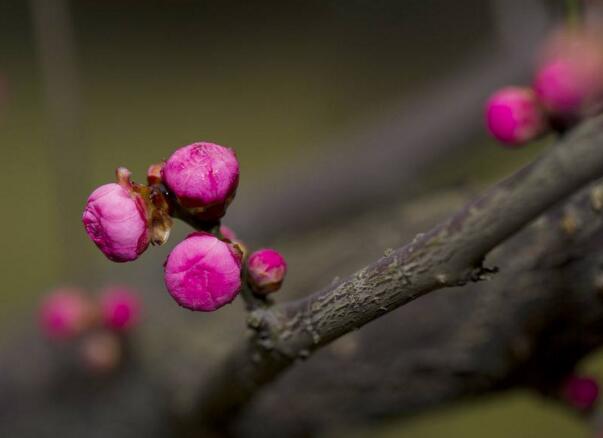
<point x="204" y="177"/>
<point x="581" y="391"/>
<point x="266" y="269"/>
<point x="203" y="272"/>
<point x="120" y="308"/>
<point x="569" y="80"/>
<point x="100" y="352"/>
<point x="116" y="220"/>
<point x="514" y="116"/>
<point x="65" y="314"/>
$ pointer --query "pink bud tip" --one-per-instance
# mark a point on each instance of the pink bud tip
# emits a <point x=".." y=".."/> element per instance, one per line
<point x="266" y="270"/>
<point x="204" y="177"/>
<point x="514" y="116"/>
<point x="581" y="391"/>
<point x="65" y="314"/>
<point x="570" y="77"/>
<point x="120" y="308"/>
<point x="115" y="219"/>
<point x="203" y="273"/>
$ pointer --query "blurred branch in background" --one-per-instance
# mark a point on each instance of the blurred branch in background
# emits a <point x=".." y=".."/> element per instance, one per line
<point x="54" y="38"/>
<point x="387" y="156"/>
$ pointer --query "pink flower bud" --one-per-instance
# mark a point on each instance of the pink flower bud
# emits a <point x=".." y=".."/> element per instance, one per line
<point x="266" y="270"/>
<point x="581" y="391"/>
<point x="569" y="80"/>
<point x="204" y="177"/>
<point x="120" y="308"/>
<point x="203" y="273"/>
<point x="116" y="220"/>
<point x="65" y="314"/>
<point x="514" y="116"/>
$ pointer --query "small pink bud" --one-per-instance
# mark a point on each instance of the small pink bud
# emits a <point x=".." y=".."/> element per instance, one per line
<point x="204" y="177"/>
<point x="120" y="308"/>
<point x="581" y="391"/>
<point x="65" y="314"/>
<point x="100" y="352"/>
<point x="203" y="273"/>
<point x="115" y="218"/>
<point x="514" y="116"/>
<point x="266" y="270"/>
<point x="569" y="80"/>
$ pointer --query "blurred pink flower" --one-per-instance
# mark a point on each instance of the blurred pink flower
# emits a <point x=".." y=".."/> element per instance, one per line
<point x="65" y="313"/>
<point x="581" y="391"/>
<point x="514" y="116"/>
<point x="120" y="308"/>
<point x="569" y="79"/>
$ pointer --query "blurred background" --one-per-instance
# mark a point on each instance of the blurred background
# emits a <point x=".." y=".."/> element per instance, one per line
<point x="296" y="87"/>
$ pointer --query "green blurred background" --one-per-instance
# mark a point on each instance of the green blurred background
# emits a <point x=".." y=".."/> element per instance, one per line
<point x="271" y="79"/>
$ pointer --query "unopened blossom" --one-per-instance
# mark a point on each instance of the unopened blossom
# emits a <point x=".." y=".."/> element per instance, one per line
<point x="120" y="308"/>
<point x="581" y="391"/>
<point x="65" y="313"/>
<point x="514" y="116"/>
<point x="266" y="269"/>
<point x="203" y="272"/>
<point x="569" y="79"/>
<point x="115" y="218"/>
<point x="204" y="177"/>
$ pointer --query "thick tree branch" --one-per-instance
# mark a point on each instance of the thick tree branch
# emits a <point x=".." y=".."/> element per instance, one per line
<point x="434" y="352"/>
<point x="451" y="254"/>
<point x="528" y="327"/>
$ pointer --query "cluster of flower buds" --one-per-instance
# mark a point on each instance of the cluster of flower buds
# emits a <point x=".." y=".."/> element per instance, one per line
<point x="580" y="392"/>
<point x="196" y="183"/>
<point x="97" y="327"/>
<point x="568" y="86"/>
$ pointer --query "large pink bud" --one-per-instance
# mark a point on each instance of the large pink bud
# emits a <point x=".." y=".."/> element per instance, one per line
<point x="120" y="308"/>
<point x="204" y="177"/>
<point x="115" y="218"/>
<point x="581" y="391"/>
<point x="514" y="116"/>
<point x="266" y="269"/>
<point x="569" y="80"/>
<point x="65" y="314"/>
<point x="203" y="273"/>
